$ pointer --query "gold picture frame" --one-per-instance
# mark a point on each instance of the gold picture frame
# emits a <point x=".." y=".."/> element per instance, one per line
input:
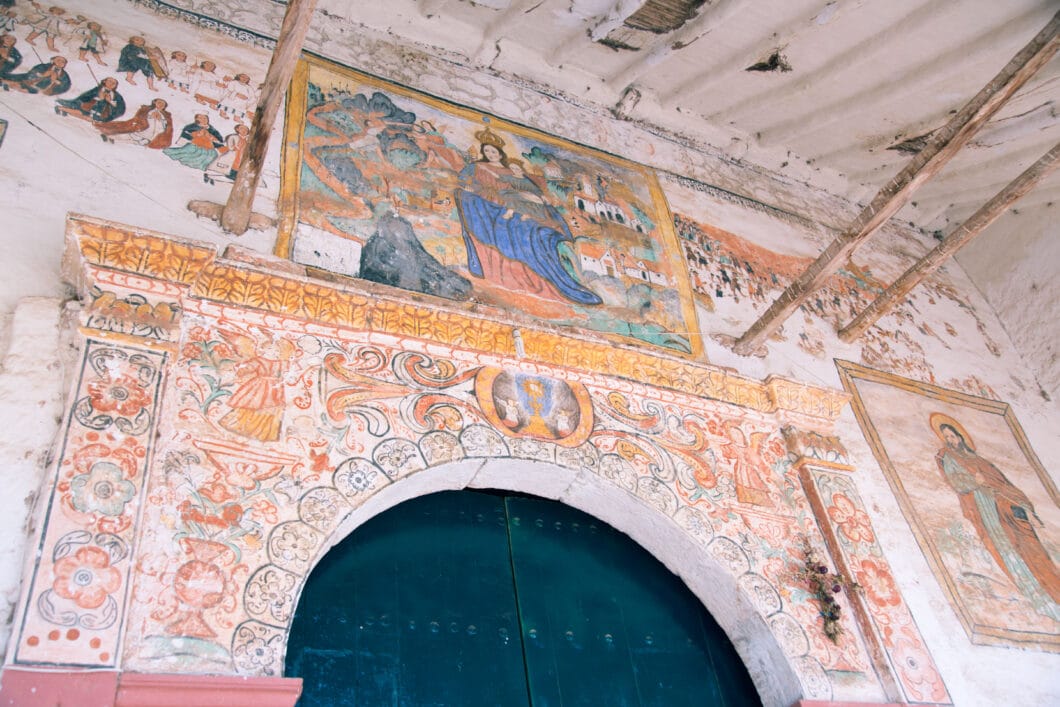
<point x="379" y="180"/>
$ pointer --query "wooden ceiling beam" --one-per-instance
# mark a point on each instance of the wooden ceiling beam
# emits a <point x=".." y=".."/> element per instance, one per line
<point x="943" y="145"/>
<point x="959" y="238"/>
<point x="235" y="217"/>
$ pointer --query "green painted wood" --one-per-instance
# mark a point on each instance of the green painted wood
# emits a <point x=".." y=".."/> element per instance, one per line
<point x="414" y="608"/>
<point x="470" y="598"/>
<point x="604" y="623"/>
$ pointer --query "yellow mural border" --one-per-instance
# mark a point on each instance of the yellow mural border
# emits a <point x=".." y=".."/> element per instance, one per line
<point x="849" y="374"/>
<point x="291" y="174"/>
<point x="182" y="272"/>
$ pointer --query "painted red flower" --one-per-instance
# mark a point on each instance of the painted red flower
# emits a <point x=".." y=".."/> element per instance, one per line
<point x="216" y="492"/>
<point x="122" y="395"/>
<point x="916" y="671"/>
<point x="200" y="584"/>
<point x="266" y="511"/>
<point x="852" y="521"/>
<point x="199" y="335"/>
<point x="878" y="584"/>
<point x="86" y="577"/>
<point x="191" y="351"/>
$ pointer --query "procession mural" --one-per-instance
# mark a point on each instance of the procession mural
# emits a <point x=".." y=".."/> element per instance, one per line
<point x="392" y="186"/>
<point x="984" y="510"/>
<point x="738" y="279"/>
<point x="91" y="61"/>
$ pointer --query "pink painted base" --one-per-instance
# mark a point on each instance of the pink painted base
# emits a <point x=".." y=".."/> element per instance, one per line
<point x="27" y="688"/>
<point x="825" y="703"/>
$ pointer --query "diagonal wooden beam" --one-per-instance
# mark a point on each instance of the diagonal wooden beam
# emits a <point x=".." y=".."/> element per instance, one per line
<point x="896" y="193"/>
<point x="235" y="216"/>
<point x="961" y="236"/>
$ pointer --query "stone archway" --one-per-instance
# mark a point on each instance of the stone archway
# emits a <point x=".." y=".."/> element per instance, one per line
<point x="677" y="541"/>
<point x="230" y="421"/>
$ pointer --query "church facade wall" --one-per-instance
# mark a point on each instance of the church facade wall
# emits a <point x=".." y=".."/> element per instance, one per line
<point x="204" y="426"/>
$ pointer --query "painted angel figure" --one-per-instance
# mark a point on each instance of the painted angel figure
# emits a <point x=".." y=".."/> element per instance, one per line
<point x="751" y="485"/>
<point x="257" y="403"/>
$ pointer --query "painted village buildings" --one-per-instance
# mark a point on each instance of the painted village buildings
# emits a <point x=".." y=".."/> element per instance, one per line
<point x="455" y="294"/>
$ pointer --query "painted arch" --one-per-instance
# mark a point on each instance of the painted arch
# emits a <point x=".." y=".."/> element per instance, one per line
<point x="231" y="420"/>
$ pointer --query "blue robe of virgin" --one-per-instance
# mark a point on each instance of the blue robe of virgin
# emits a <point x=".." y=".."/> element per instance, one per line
<point x="518" y="237"/>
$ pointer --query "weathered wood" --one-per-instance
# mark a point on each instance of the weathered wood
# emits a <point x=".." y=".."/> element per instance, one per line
<point x="943" y="145"/>
<point x="960" y="237"/>
<point x="236" y="215"/>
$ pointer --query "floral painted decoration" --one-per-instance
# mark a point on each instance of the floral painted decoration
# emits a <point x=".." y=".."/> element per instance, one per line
<point x="825" y="587"/>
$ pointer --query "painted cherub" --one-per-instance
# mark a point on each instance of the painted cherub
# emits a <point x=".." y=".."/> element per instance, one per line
<point x="748" y="465"/>
<point x="256" y="405"/>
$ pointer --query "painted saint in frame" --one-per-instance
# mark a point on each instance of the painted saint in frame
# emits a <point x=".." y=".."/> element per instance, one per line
<point x="393" y="186"/>
<point x="984" y="510"/>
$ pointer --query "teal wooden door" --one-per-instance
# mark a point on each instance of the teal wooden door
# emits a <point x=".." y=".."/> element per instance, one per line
<point x="469" y="598"/>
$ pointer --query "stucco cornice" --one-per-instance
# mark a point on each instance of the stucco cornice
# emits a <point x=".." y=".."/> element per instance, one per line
<point x="166" y="271"/>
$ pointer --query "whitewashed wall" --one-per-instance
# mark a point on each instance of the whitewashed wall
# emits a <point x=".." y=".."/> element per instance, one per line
<point x="51" y="166"/>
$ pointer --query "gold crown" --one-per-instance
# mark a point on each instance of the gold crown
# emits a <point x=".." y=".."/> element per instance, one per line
<point x="488" y="137"/>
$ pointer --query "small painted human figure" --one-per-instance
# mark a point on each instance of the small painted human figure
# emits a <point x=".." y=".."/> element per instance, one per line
<point x="157" y="58"/>
<point x="239" y="100"/>
<point x="93" y="42"/>
<point x="179" y="77"/>
<point x="7" y="18"/>
<point x="208" y="85"/>
<point x="201" y="146"/>
<point x="748" y="465"/>
<point x="230" y="156"/>
<point x="10" y="56"/>
<point x="49" y="79"/>
<point x="47" y="22"/>
<point x="257" y="404"/>
<point x="151" y="126"/>
<point x="134" y="59"/>
<point x="100" y="104"/>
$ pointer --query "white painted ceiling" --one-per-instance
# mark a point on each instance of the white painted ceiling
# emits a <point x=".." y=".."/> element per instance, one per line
<point x="855" y="78"/>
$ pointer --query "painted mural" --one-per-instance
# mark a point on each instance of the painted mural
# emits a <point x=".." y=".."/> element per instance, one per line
<point x="87" y="561"/>
<point x="196" y="489"/>
<point x="738" y="279"/>
<point x="131" y="90"/>
<point x="984" y="510"/>
<point x="402" y="189"/>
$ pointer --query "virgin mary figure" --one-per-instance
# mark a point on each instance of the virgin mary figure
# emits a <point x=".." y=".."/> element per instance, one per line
<point x="1002" y="515"/>
<point x="511" y="233"/>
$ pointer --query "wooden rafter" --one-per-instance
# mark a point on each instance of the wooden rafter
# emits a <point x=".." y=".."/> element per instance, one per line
<point x="960" y="237"/>
<point x="235" y="216"/>
<point x="943" y="145"/>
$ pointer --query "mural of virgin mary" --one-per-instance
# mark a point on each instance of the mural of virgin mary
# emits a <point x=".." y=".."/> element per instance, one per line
<point x="1002" y="515"/>
<point x="511" y="232"/>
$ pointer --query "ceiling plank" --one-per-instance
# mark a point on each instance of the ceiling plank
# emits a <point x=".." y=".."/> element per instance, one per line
<point x="895" y="194"/>
<point x="614" y="17"/>
<point x="235" y="218"/>
<point x="960" y="237"/>
<point x="862" y="103"/>
<point x="715" y="76"/>
<point x="661" y="46"/>
<point x="494" y="32"/>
